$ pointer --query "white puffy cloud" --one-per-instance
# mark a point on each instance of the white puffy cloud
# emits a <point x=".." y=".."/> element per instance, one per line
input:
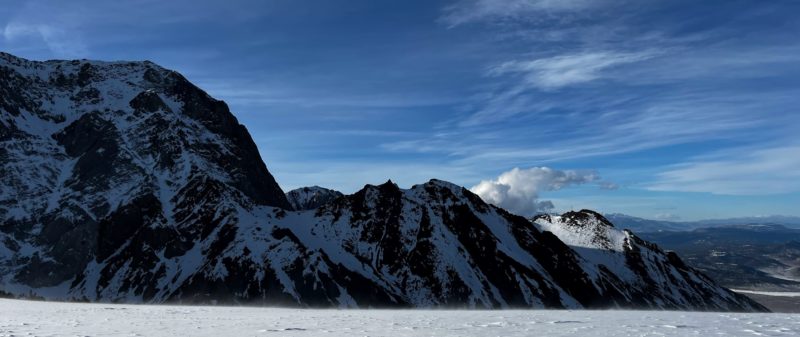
<point x="518" y="190"/>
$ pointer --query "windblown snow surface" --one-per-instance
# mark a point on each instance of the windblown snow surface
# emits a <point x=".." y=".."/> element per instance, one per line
<point x="769" y="293"/>
<point x="20" y="318"/>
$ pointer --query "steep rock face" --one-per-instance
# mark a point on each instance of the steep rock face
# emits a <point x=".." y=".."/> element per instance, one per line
<point x="306" y="198"/>
<point x="124" y="182"/>
<point x="94" y="152"/>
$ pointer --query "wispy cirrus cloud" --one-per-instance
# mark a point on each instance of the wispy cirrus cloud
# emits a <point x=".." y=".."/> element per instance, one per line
<point x="59" y="40"/>
<point x="68" y="29"/>
<point x="547" y="74"/>
<point x="36" y="25"/>
<point x="590" y="94"/>
<point x="563" y="70"/>
<point x="743" y="171"/>
<point x="466" y="11"/>
<point x="584" y="128"/>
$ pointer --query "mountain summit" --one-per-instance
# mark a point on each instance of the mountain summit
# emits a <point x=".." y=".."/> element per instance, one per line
<point x="306" y="198"/>
<point x="124" y="182"/>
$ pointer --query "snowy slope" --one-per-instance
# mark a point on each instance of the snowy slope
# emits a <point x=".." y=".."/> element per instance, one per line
<point x="20" y="318"/>
<point x="123" y="182"/>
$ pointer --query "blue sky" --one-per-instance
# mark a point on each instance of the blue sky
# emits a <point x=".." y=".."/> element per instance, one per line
<point x="660" y="109"/>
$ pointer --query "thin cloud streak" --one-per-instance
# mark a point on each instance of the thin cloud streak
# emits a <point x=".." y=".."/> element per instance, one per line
<point x="676" y="119"/>
<point x="60" y="41"/>
<point x="564" y="70"/>
<point x="468" y="11"/>
<point x="763" y="171"/>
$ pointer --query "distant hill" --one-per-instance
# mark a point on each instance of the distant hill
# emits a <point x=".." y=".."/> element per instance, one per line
<point x="641" y="225"/>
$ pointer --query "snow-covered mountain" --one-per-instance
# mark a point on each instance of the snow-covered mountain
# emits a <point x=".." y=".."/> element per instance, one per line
<point x="124" y="182"/>
<point x="96" y="152"/>
<point x="306" y="198"/>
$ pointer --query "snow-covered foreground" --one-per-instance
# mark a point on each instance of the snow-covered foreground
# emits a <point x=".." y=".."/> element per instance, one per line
<point x="769" y="293"/>
<point x="77" y="319"/>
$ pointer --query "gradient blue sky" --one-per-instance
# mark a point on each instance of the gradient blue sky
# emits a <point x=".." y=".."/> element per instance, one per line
<point x="662" y="109"/>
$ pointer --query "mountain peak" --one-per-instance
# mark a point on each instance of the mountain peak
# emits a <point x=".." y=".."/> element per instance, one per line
<point x="586" y="217"/>
<point x="584" y="228"/>
<point x="311" y="197"/>
<point x="444" y="184"/>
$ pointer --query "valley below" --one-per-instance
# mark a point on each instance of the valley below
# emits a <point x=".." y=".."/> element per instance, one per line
<point x="760" y="261"/>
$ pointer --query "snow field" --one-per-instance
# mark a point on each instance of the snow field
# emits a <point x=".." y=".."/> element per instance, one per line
<point x="21" y="318"/>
